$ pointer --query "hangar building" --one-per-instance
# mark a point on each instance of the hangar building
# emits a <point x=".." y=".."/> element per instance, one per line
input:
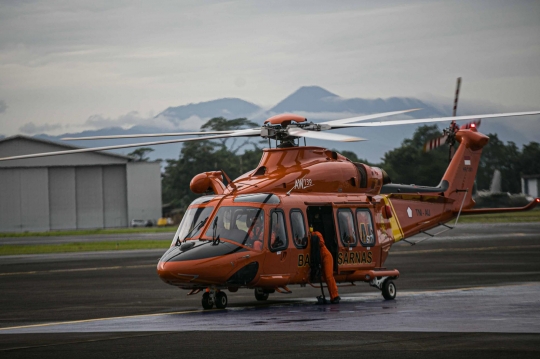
<point x="530" y="185"/>
<point x="76" y="191"/>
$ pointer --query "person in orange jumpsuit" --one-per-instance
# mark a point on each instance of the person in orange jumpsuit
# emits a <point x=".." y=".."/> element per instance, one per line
<point x="328" y="268"/>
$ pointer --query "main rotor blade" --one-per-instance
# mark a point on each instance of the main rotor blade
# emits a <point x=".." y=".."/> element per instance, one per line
<point x="366" y="117"/>
<point x="458" y="85"/>
<point x="239" y="133"/>
<point x="435" y="119"/>
<point x="298" y="132"/>
<point x="145" y="135"/>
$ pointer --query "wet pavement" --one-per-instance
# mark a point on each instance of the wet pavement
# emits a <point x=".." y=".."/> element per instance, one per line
<point x="503" y="309"/>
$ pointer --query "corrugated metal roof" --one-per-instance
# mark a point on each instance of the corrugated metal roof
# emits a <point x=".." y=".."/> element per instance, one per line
<point x="61" y="144"/>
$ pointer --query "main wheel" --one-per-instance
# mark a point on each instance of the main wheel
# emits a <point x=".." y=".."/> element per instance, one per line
<point x="207" y="301"/>
<point x="221" y="300"/>
<point x="261" y="295"/>
<point x="389" y="290"/>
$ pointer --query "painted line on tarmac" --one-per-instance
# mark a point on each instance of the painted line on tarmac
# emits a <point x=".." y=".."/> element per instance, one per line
<point x="107" y="318"/>
<point x="78" y="270"/>
<point x="478" y="249"/>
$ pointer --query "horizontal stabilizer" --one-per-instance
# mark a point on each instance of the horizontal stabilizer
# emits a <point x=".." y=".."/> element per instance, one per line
<point x="531" y="205"/>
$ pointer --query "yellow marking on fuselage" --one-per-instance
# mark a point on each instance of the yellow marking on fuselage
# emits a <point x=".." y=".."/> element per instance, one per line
<point x="397" y="231"/>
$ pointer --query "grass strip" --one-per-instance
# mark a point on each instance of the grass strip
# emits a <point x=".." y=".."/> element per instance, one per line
<point x="14" y="249"/>
<point x="509" y="217"/>
<point x="82" y="232"/>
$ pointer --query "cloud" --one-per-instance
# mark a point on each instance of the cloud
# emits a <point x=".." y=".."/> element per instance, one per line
<point x="3" y="106"/>
<point x="134" y="118"/>
<point x="31" y="128"/>
<point x="128" y="120"/>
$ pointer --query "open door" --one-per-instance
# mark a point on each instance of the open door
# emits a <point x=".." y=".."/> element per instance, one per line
<point x="322" y="220"/>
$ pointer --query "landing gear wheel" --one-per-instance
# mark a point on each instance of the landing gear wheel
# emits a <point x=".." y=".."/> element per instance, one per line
<point x="221" y="300"/>
<point x="261" y="295"/>
<point x="207" y="301"/>
<point x="389" y="290"/>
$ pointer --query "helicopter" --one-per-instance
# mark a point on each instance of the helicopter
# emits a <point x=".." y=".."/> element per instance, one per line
<point x="254" y="231"/>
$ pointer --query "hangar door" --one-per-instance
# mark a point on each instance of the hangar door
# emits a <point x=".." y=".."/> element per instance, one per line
<point x="114" y="196"/>
<point x="62" y="209"/>
<point x="88" y="197"/>
<point x="24" y="203"/>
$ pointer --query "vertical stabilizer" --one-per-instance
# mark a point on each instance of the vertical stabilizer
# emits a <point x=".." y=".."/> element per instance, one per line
<point x="462" y="169"/>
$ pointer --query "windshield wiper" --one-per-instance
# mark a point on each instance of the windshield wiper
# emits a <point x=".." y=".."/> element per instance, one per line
<point x="197" y="227"/>
<point x="215" y="240"/>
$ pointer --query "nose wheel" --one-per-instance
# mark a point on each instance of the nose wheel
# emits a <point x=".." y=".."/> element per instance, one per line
<point x="214" y="297"/>
<point x="207" y="302"/>
<point x="261" y="295"/>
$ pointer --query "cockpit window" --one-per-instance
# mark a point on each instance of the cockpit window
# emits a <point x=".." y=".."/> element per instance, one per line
<point x="192" y="223"/>
<point x="243" y="225"/>
<point x="258" y="198"/>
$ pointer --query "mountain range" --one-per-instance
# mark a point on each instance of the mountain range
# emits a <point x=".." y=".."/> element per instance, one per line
<point x="317" y="104"/>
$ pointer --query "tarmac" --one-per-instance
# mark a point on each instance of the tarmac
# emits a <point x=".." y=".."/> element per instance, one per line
<point x="472" y="293"/>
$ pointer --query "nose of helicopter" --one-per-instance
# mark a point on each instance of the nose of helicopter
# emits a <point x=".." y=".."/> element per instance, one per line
<point x="204" y="263"/>
<point x="176" y="273"/>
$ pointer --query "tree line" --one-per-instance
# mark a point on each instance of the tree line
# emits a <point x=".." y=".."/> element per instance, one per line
<point x="406" y="164"/>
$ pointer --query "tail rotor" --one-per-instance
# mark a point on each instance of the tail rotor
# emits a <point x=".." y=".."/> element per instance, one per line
<point x="449" y="134"/>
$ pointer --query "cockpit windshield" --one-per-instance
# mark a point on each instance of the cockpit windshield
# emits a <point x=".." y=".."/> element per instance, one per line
<point x="192" y="223"/>
<point x="243" y="225"/>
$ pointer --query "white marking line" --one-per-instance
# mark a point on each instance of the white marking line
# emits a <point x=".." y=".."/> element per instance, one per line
<point x="103" y="319"/>
<point x="79" y="269"/>
<point x="393" y="253"/>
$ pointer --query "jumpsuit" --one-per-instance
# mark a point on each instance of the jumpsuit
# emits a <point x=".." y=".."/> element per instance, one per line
<point x="256" y="238"/>
<point x="328" y="267"/>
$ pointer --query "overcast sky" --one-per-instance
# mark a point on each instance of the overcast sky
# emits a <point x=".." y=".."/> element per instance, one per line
<point x="63" y="62"/>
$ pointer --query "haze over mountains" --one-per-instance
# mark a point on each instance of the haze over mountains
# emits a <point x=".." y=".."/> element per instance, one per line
<point x="317" y="104"/>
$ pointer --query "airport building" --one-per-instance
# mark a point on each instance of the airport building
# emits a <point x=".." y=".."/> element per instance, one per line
<point x="530" y="185"/>
<point x="76" y="191"/>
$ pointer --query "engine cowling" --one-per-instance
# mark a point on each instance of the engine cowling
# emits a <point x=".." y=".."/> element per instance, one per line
<point x="371" y="179"/>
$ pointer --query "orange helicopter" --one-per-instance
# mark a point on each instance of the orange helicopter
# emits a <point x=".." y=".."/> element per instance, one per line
<point x="254" y="232"/>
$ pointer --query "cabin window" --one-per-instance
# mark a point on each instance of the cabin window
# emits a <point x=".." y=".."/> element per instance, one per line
<point x="298" y="227"/>
<point x="365" y="227"/>
<point x="243" y="225"/>
<point x="193" y="221"/>
<point x="346" y="227"/>
<point x="278" y="233"/>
